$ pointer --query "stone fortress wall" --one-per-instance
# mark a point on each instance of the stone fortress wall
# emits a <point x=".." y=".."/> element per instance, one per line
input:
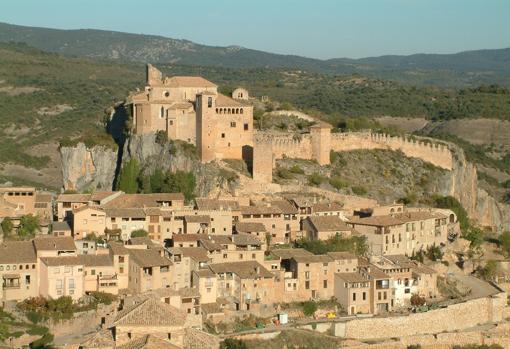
<point x="316" y="145"/>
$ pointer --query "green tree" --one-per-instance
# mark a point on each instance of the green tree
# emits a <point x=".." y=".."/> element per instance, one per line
<point x="231" y="343"/>
<point x="28" y="226"/>
<point x="504" y="242"/>
<point x="139" y="233"/>
<point x="309" y="308"/>
<point x="453" y="204"/>
<point x="474" y="235"/>
<point x="7" y="226"/>
<point x="157" y="180"/>
<point x="181" y="182"/>
<point x="128" y="177"/>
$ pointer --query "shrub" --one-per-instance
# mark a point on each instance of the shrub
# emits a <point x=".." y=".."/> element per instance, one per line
<point x="42" y="342"/>
<point x="229" y="176"/>
<point x="504" y="242"/>
<point x="34" y="317"/>
<point x="417" y="300"/>
<point x="359" y="190"/>
<point x="7" y="226"/>
<point x="337" y="183"/>
<point x="434" y="253"/>
<point x="28" y="226"/>
<point x="37" y="330"/>
<point x="128" y="177"/>
<point x="309" y="308"/>
<point x="297" y="170"/>
<point x="139" y="233"/>
<point x="284" y="173"/>
<point x="316" y="179"/>
<point x="231" y="343"/>
<point x="161" y="137"/>
<point x="453" y="204"/>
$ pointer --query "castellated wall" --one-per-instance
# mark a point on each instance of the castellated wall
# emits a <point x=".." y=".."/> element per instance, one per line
<point x="453" y="318"/>
<point x="317" y="146"/>
<point x="436" y="154"/>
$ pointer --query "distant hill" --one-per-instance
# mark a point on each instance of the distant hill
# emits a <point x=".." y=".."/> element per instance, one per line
<point x="461" y="69"/>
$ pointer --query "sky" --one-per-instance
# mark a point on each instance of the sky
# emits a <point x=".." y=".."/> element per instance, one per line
<point x="313" y="28"/>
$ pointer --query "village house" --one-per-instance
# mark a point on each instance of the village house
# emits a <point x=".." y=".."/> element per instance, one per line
<point x="325" y="227"/>
<point x="99" y="274"/>
<point x="16" y="202"/>
<point x="66" y="203"/>
<point x="61" y="229"/>
<point x="405" y="233"/>
<point x="18" y="271"/>
<point x="149" y="269"/>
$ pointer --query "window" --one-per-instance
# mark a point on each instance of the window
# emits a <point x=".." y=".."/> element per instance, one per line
<point x="225" y="256"/>
<point x="71" y="283"/>
<point x="67" y="269"/>
<point x="56" y="271"/>
<point x="246" y="127"/>
<point x="167" y="94"/>
<point x="121" y="270"/>
<point x="93" y="272"/>
<point x="27" y="279"/>
<point x="364" y="296"/>
<point x="222" y="135"/>
<point x="121" y="259"/>
<point x="59" y="284"/>
<point x="253" y="256"/>
<point x="232" y="124"/>
<point x="307" y="274"/>
<point x="354" y="296"/>
<point x="162" y="112"/>
<point x="209" y="102"/>
<point x="325" y="283"/>
<point x="307" y="285"/>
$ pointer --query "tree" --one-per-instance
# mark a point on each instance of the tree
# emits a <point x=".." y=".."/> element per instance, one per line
<point x="434" y="253"/>
<point x="453" y="204"/>
<point x="417" y="300"/>
<point x="139" y="233"/>
<point x="504" y="242"/>
<point x="309" y="308"/>
<point x="128" y="177"/>
<point x="7" y="226"/>
<point x="474" y="235"/>
<point x="28" y="226"/>
<point x="231" y="343"/>
<point x="157" y="180"/>
<point x="180" y="182"/>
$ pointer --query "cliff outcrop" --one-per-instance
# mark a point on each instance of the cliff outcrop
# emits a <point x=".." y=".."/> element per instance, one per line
<point x="88" y="168"/>
<point x="175" y="156"/>
<point x="462" y="183"/>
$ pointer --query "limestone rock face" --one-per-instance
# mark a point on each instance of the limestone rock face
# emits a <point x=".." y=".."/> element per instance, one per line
<point x="88" y="169"/>
<point x="151" y="155"/>
<point x="462" y="183"/>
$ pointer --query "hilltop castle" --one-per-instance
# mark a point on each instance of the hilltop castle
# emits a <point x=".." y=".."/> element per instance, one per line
<point x="190" y="108"/>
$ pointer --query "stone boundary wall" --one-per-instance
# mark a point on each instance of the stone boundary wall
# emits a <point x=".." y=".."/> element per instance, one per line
<point x="436" y="154"/>
<point x="286" y="144"/>
<point x="453" y="318"/>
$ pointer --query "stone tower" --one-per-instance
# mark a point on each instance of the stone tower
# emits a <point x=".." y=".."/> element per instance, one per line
<point x="154" y="76"/>
<point x="321" y="143"/>
<point x="206" y="126"/>
<point x="262" y="170"/>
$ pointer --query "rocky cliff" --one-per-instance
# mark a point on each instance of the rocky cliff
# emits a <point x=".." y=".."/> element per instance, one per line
<point x="174" y="156"/>
<point x="88" y="168"/>
<point x="462" y="183"/>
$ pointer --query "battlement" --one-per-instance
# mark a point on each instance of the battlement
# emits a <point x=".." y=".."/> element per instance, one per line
<point x="318" y="144"/>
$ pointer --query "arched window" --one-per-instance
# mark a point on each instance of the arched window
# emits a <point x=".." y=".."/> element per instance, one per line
<point x="162" y="112"/>
<point x="237" y="110"/>
<point x="241" y="110"/>
<point x="228" y="111"/>
<point x="166" y="94"/>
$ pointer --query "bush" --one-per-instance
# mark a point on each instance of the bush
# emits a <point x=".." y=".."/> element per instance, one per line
<point x="417" y="300"/>
<point x="7" y="226"/>
<point x="28" y="226"/>
<point x="309" y="308"/>
<point x="337" y="183"/>
<point x="37" y="330"/>
<point x="284" y="173"/>
<point x="316" y="179"/>
<point x="161" y="137"/>
<point x="434" y="253"/>
<point x="34" y="317"/>
<point x="359" y="190"/>
<point x="139" y="233"/>
<point x="229" y="176"/>
<point x="128" y="177"/>
<point x="42" y="342"/>
<point x="453" y="204"/>
<point x="297" y="170"/>
<point x="504" y="242"/>
<point x="231" y="343"/>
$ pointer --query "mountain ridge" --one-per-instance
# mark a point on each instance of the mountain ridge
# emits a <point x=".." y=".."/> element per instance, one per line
<point x="465" y="68"/>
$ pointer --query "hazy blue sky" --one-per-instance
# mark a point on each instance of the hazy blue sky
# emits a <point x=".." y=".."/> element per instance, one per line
<point x="314" y="28"/>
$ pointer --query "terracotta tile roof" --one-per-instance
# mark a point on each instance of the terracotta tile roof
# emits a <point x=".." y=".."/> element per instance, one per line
<point x="189" y="292"/>
<point x="242" y="239"/>
<point x="99" y="260"/>
<point x="377" y="273"/>
<point x="352" y="277"/>
<point x="194" y="338"/>
<point x="245" y="270"/>
<point x="285" y="206"/>
<point x="206" y="272"/>
<point x="287" y="253"/>
<point x="151" y="312"/>
<point x="61" y="261"/>
<point x="50" y="243"/>
<point x="118" y="248"/>
<point x="383" y="221"/>
<point x="148" y="342"/>
<point x="188" y="81"/>
<point x="213" y="204"/>
<point x="178" y="106"/>
<point x="60" y="226"/>
<point x="142" y="200"/>
<point x="320" y="258"/>
<point x="97" y="196"/>
<point x="87" y="207"/>
<point x="422" y="269"/>
<point x="411" y="216"/>
<point x="342" y="255"/>
<point x="326" y="207"/>
<point x="328" y="223"/>
<point x="142" y="240"/>
<point x="261" y="209"/>
<point x="224" y="101"/>
<point x="125" y="212"/>
<point x="198" y="219"/>
<point x="101" y="339"/>
<point x="199" y="254"/>
<point x="39" y="197"/>
<point x="249" y="227"/>
<point x="148" y="258"/>
<point x="17" y="252"/>
<point x="187" y="237"/>
<point x="211" y="308"/>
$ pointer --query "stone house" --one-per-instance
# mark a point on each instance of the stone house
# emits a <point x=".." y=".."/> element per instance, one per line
<point x="66" y="203"/>
<point x="88" y="220"/>
<point x="325" y="227"/>
<point x="352" y="291"/>
<point x="61" y="229"/>
<point x="314" y="276"/>
<point x="99" y="274"/>
<point x="61" y="276"/>
<point x="148" y="270"/>
<point x="344" y="262"/>
<point x="18" y="271"/>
